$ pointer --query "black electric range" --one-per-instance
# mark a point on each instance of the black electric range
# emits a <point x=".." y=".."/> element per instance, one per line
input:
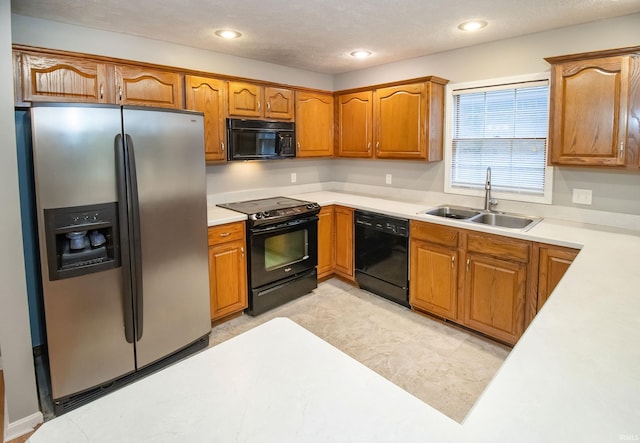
<point x="282" y="240"/>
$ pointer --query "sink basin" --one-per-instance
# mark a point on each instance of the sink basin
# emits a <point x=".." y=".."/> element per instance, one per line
<point x="455" y="212"/>
<point x="505" y="220"/>
<point x="484" y="217"/>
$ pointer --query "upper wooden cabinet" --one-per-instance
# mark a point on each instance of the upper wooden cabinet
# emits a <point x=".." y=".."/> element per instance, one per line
<point x="257" y="101"/>
<point x="595" y="109"/>
<point x="404" y="121"/>
<point x="148" y="87"/>
<point x="354" y="124"/>
<point x="47" y="78"/>
<point x="208" y="96"/>
<point x="314" y="124"/>
<point x="63" y="79"/>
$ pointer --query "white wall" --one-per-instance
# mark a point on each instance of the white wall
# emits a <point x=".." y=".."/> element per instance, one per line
<point x="615" y="191"/>
<point x="55" y="35"/>
<point x="15" y="339"/>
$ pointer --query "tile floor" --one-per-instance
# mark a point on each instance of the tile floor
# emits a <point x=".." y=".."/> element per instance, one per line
<point x="445" y="367"/>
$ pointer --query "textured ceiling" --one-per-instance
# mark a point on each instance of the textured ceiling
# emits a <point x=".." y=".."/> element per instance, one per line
<point x="318" y="35"/>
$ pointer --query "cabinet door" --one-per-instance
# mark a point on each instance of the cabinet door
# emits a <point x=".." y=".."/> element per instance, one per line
<point x="326" y="241"/>
<point x="400" y="117"/>
<point x="494" y="295"/>
<point x="228" y="279"/>
<point x="314" y="124"/>
<point x="554" y="262"/>
<point x="148" y="87"/>
<point x="279" y="103"/>
<point x="344" y="242"/>
<point x="245" y="99"/>
<point x="64" y="79"/>
<point x="355" y="124"/>
<point x="589" y="105"/>
<point x="207" y="95"/>
<point x="433" y="282"/>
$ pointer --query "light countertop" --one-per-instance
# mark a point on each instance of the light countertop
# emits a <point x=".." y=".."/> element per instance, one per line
<point x="573" y="376"/>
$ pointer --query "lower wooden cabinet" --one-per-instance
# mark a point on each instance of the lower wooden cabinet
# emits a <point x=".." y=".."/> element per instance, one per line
<point x="343" y="219"/>
<point x="326" y="241"/>
<point x="433" y="279"/>
<point x="554" y="262"/>
<point x="227" y="269"/>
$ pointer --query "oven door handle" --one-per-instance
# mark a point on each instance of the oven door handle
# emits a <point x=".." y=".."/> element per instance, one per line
<point x="283" y="226"/>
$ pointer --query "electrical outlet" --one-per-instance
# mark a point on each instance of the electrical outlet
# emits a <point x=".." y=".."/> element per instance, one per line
<point x="581" y="196"/>
<point x="294" y="177"/>
<point x="388" y="179"/>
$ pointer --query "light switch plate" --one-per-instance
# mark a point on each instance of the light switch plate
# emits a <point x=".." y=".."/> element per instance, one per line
<point x="294" y="177"/>
<point x="582" y="196"/>
<point x="388" y="179"/>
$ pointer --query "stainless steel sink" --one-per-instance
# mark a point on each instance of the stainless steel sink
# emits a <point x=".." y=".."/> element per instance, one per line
<point x="502" y="220"/>
<point x="484" y="217"/>
<point x="456" y="212"/>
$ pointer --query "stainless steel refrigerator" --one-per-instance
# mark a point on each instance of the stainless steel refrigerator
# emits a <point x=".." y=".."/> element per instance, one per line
<point x="121" y="209"/>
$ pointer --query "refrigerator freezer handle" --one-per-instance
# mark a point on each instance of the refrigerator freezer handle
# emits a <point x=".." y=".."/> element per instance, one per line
<point x="127" y="300"/>
<point x="134" y="222"/>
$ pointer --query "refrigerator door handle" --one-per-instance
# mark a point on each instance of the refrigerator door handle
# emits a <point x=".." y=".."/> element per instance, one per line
<point x="121" y="182"/>
<point x="134" y="222"/>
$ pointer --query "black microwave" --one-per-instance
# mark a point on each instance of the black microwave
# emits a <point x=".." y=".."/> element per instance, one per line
<point x="260" y="140"/>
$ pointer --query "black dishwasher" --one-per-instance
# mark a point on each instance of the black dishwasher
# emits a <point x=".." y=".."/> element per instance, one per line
<point x="382" y="260"/>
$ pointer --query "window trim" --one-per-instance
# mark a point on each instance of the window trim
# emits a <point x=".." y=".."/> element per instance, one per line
<point x="489" y="84"/>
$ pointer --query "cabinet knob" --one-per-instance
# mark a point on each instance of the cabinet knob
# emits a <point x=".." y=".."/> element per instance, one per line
<point x="225" y="234"/>
<point x="453" y="260"/>
<point x="101" y="92"/>
<point x="468" y="261"/>
<point x="268" y="106"/>
<point x="222" y="146"/>
<point x="242" y="251"/>
<point x="258" y="105"/>
<point x="621" y="152"/>
<point x="120" y="93"/>
<point x="368" y="146"/>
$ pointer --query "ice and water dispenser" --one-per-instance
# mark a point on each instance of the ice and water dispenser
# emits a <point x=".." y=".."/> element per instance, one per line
<point x="82" y="239"/>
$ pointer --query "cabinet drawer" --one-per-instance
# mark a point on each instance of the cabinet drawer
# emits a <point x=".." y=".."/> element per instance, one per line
<point x="498" y="247"/>
<point x="226" y="232"/>
<point x="433" y="233"/>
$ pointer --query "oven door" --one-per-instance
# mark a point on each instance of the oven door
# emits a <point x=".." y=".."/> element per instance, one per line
<point x="282" y="250"/>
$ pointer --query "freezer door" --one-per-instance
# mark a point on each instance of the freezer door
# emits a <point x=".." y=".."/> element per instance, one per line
<point x="168" y="151"/>
<point x="73" y="166"/>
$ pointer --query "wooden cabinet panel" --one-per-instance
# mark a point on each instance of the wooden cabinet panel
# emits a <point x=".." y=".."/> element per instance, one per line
<point x="207" y="95"/>
<point x="252" y="100"/>
<point x="343" y="220"/>
<point x="354" y="115"/>
<point x="589" y="107"/>
<point x="279" y="103"/>
<point x="494" y="296"/>
<point x="433" y="233"/>
<point x="400" y="117"/>
<point x="501" y="247"/>
<point x="326" y="241"/>
<point x="314" y="124"/>
<point x="62" y="79"/>
<point x="227" y="269"/>
<point x="554" y="262"/>
<point x="433" y="279"/>
<point x="147" y="87"/>
<point x="245" y="99"/>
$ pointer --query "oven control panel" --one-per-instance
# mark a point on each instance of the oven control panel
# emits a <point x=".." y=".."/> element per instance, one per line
<point x="285" y="212"/>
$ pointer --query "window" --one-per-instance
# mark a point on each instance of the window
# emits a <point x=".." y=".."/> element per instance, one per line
<point x="502" y="124"/>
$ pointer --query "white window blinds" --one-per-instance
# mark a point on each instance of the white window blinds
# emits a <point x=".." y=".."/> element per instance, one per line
<point x="503" y="127"/>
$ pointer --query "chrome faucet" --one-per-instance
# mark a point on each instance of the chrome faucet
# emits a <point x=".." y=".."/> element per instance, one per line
<point x="488" y="201"/>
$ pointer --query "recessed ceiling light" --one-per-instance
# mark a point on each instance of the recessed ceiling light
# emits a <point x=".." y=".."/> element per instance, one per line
<point x="228" y="34"/>
<point x="472" y="25"/>
<point x="361" y="54"/>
